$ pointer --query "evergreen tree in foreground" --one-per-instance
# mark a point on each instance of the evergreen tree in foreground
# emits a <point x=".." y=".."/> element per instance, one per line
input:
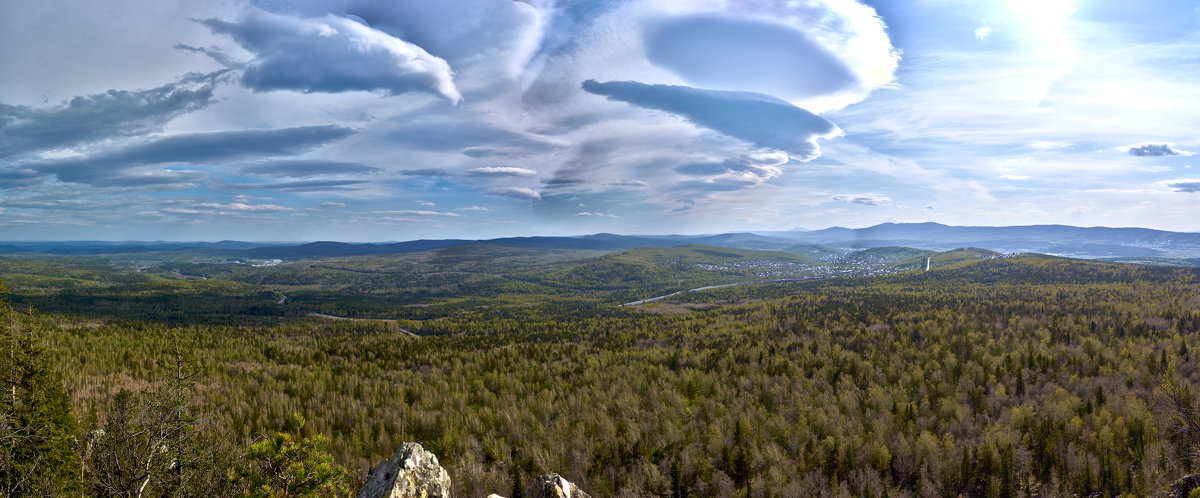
<point x="288" y="465"/>
<point x="37" y="428"/>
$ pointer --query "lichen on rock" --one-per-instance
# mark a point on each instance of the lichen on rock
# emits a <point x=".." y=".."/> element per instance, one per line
<point x="412" y="472"/>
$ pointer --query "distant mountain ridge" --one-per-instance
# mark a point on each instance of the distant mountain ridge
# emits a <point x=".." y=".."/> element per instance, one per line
<point x="1082" y="242"/>
<point x="1056" y="239"/>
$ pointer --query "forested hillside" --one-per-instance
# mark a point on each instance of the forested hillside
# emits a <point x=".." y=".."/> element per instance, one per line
<point x="1001" y="377"/>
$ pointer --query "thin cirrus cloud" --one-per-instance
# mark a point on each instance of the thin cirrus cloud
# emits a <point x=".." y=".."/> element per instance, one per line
<point x="418" y="212"/>
<point x="297" y="186"/>
<point x="493" y="39"/>
<point x="596" y="214"/>
<point x="760" y="119"/>
<point x="333" y="54"/>
<point x="754" y="168"/>
<point x="244" y="207"/>
<point x="306" y="168"/>
<point x="500" y="171"/>
<point x="426" y="172"/>
<point x="100" y="169"/>
<point x="521" y="193"/>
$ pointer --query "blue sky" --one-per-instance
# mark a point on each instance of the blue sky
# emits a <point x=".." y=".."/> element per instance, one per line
<point x="374" y="120"/>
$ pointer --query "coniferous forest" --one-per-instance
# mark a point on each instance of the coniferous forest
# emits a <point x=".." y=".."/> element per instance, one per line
<point x="1016" y="376"/>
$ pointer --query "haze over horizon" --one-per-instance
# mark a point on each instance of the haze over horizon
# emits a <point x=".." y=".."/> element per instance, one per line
<point x="374" y="120"/>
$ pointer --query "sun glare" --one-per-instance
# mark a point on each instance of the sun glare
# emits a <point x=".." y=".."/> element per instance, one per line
<point x="1043" y="14"/>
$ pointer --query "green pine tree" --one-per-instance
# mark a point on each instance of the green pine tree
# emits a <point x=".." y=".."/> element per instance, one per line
<point x="287" y="465"/>
<point x="37" y="426"/>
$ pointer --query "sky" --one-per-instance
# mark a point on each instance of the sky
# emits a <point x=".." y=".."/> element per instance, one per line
<point x="385" y="120"/>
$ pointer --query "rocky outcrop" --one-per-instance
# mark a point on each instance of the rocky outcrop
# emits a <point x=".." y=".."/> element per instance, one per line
<point x="1183" y="487"/>
<point x="412" y="472"/>
<point x="554" y="486"/>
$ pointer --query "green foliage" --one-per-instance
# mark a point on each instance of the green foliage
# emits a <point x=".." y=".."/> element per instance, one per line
<point x="422" y="285"/>
<point x="1007" y="376"/>
<point x="151" y="443"/>
<point x="37" y="427"/>
<point x="287" y="465"/>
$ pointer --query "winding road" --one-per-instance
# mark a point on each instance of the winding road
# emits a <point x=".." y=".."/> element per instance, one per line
<point x="393" y="322"/>
<point x="709" y="287"/>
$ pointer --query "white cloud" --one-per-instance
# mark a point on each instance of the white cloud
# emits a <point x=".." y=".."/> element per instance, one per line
<point x="982" y="32"/>
<point x="629" y="183"/>
<point x="515" y="193"/>
<point x="382" y="68"/>
<point x="412" y="212"/>
<point x="1049" y="145"/>
<point x="762" y="120"/>
<point x="1153" y="150"/>
<point x="243" y="207"/>
<point x="501" y="171"/>
<point x="1190" y="185"/>
<point x="865" y="199"/>
<point x="821" y="55"/>
<point x="332" y="54"/>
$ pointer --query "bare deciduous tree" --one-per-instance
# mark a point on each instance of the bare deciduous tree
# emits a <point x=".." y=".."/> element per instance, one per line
<point x="1175" y="403"/>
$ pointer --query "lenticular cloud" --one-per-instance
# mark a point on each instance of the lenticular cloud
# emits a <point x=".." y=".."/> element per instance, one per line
<point x="333" y="54"/>
<point x="760" y="119"/>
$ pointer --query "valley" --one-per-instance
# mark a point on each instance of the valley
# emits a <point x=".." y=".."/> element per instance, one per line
<point x="727" y="371"/>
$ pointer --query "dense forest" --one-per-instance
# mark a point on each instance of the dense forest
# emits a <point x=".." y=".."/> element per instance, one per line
<point x="1021" y="376"/>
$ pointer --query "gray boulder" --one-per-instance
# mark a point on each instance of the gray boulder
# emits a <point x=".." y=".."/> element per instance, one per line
<point x="554" y="486"/>
<point x="412" y="472"/>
